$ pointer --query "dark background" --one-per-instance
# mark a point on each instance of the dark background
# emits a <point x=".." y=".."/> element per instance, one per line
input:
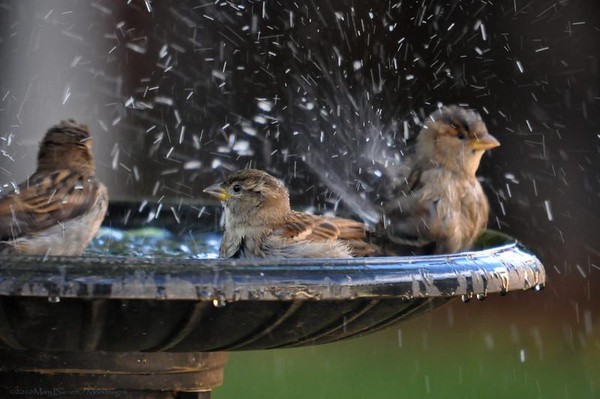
<point x="179" y="93"/>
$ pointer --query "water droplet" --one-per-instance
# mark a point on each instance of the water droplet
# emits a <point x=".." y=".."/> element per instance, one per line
<point x="539" y="287"/>
<point x="264" y="105"/>
<point x="522" y="356"/>
<point x="219" y="302"/>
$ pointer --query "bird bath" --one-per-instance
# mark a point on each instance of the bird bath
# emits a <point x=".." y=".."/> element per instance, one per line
<point x="162" y="327"/>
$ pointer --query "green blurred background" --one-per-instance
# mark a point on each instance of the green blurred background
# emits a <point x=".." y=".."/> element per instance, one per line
<point x="520" y="345"/>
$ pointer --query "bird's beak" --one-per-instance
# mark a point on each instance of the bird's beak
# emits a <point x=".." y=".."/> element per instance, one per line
<point x="217" y="191"/>
<point x="485" y="142"/>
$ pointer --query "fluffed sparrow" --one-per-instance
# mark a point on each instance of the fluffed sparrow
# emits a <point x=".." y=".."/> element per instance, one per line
<point x="439" y="205"/>
<point x="59" y="209"/>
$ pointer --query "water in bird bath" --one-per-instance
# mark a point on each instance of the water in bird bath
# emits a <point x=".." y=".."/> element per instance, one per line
<point x="152" y="242"/>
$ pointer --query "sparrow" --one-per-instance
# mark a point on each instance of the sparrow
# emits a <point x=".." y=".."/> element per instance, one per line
<point x="259" y="223"/>
<point x="438" y="206"/>
<point x="58" y="209"/>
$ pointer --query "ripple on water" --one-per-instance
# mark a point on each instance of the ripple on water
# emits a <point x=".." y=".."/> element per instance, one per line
<point x="152" y="242"/>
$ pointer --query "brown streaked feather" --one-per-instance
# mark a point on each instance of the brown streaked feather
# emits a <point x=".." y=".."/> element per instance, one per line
<point x="46" y="199"/>
<point x="360" y="248"/>
<point x="349" y="229"/>
<point x="306" y="227"/>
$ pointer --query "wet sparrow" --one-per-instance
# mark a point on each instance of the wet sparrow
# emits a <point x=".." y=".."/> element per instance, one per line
<point x="260" y="223"/>
<point x="439" y="206"/>
<point x="59" y="209"/>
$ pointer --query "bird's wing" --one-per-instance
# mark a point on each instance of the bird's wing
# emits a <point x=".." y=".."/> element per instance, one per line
<point x="304" y="226"/>
<point x="349" y="229"/>
<point x="408" y="214"/>
<point x="232" y="246"/>
<point x="45" y="200"/>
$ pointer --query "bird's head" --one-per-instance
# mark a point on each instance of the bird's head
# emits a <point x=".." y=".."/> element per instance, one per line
<point x="253" y="195"/>
<point x="455" y="138"/>
<point x="67" y="145"/>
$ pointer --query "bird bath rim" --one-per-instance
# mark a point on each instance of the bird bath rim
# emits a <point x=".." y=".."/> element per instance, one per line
<point x="495" y="270"/>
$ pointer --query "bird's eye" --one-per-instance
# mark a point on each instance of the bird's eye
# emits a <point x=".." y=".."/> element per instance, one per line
<point x="461" y="135"/>
<point x="237" y="188"/>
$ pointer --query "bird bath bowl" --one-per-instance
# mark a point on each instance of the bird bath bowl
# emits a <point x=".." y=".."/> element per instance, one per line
<point x="162" y="327"/>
